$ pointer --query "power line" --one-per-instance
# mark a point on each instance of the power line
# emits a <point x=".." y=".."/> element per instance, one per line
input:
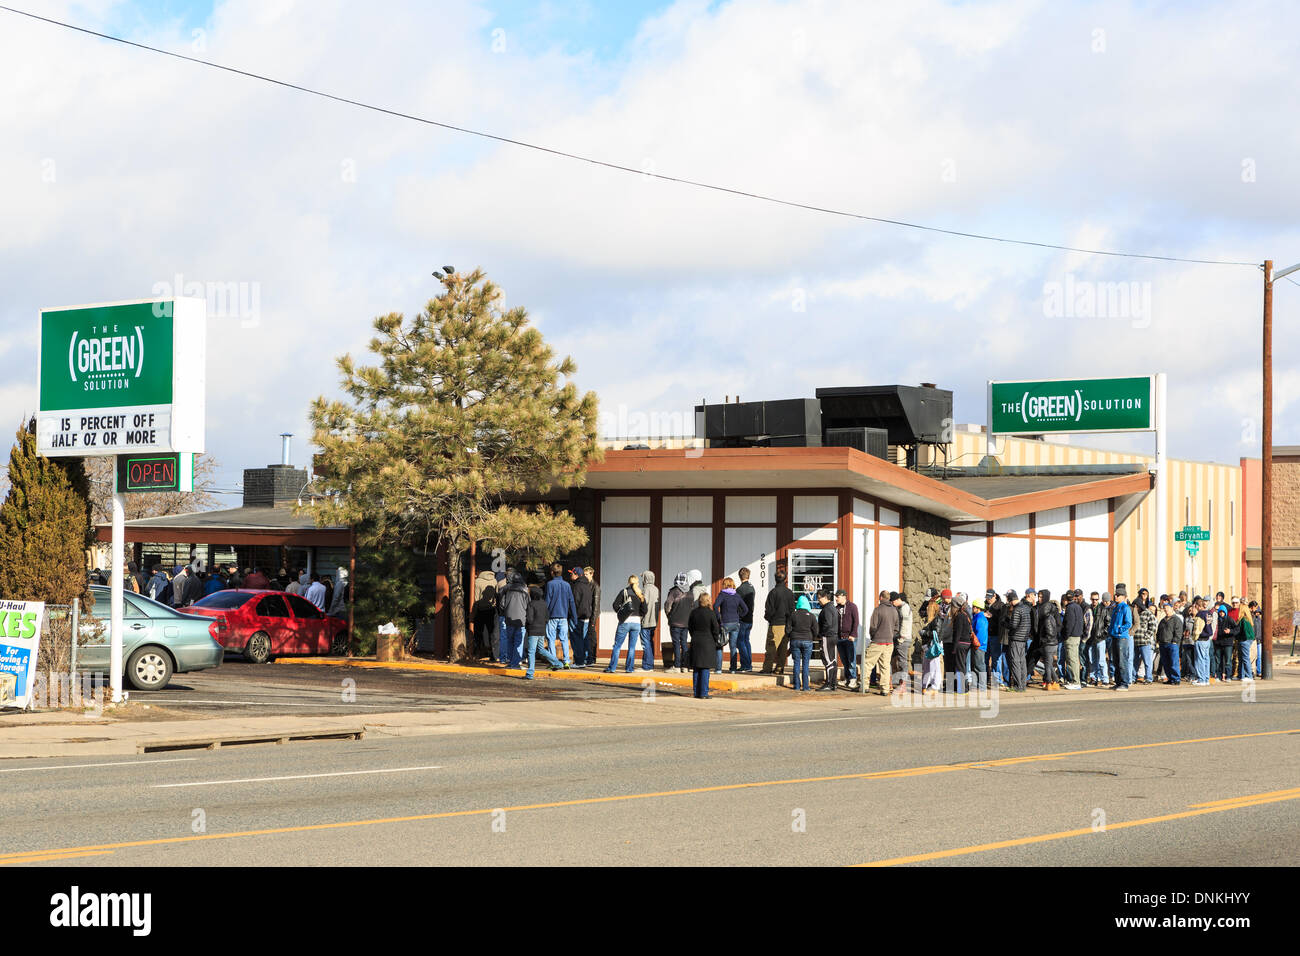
<point x="616" y="166"/>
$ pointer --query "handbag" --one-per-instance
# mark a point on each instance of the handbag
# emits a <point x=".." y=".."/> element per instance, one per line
<point x="934" y="648"/>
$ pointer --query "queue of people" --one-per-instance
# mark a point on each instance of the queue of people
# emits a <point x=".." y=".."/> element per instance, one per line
<point x="186" y="584"/>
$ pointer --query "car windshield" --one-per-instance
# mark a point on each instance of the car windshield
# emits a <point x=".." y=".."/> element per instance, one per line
<point x="223" y="600"/>
<point x="144" y="605"/>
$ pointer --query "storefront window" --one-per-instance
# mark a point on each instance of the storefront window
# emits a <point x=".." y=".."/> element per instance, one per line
<point x="812" y="570"/>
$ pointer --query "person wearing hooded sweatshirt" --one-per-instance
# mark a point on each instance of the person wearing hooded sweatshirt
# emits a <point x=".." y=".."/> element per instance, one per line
<point x="537" y="617"/>
<point x="1075" y="628"/>
<point x="1049" y="637"/>
<point x="963" y="635"/>
<point x="828" y="626"/>
<point x="515" y="601"/>
<point x="649" y="623"/>
<point x="1020" y="622"/>
<point x="883" y="628"/>
<point x="1098" y="624"/>
<point x="678" y="607"/>
<point x="731" y="607"/>
<point x="901" y="659"/>
<point x="1144" y="638"/>
<point x="802" y="634"/>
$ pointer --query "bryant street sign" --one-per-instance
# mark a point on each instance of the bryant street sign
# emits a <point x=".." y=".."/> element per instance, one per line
<point x="1073" y="405"/>
<point x="122" y="377"/>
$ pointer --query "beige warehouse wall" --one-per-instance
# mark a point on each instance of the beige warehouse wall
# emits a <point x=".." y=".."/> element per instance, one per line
<point x="1206" y="493"/>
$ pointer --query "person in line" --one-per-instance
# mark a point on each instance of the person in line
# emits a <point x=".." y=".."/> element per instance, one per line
<point x="1169" y="637"/>
<point x="980" y="621"/>
<point x="995" y="659"/>
<point x="649" y="623"/>
<point x="846" y="641"/>
<point x="629" y="605"/>
<point x="296" y="586"/>
<point x="257" y="580"/>
<point x="706" y="643"/>
<point x="730" y="609"/>
<point x="931" y="644"/>
<point x="803" y="632"/>
<point x="745" y="591"/>
<point x="158" y="581"/>
<point x="777" y="609"/>
<point x="678" y="607"/>
<point x="900" y="663"/>
<point x="1187" y="645"/>
<point x="828" y="626"/>
<point x="593" y="633"/>
<point x="536" y="620"/>
<point x="1121" y="633"/>
<point x="1224" y="639"/>
<point x="483" y="616"/>
<point x="583" y="608"/>
<point x="1144" y="638"/>
<point x="1015" y="635"/>
<point x="339" y="596"/>
<point x="1255" y="618"/>
<point x="315" y="592"/>
<point x="963" y="636"/>
<point x="1098" y="621"/>
<point x="515" y="601"/>
<point x="883" y="628"/>
<point x="559" y="604"/>
<point x="1074" y="628"/>
<point x="1202" y="635"/>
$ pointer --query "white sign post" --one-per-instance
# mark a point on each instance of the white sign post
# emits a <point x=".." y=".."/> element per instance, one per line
<point x="122" y="378"/>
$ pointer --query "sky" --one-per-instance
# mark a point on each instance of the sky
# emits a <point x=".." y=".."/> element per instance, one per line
<point x="1155" y="128"/>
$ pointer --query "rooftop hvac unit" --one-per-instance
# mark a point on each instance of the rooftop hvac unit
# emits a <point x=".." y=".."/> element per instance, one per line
<point x="873" y="441"/>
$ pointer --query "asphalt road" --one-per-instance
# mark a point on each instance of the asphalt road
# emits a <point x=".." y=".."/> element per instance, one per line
<point x="1127" y="781"/>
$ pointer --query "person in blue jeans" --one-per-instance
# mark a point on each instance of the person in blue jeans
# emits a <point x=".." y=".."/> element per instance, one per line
<point x="706" y="636"/>
<point x="629" y="605"/>
<point x="535" y="628"/>
<point x="730" y="607"/>
<point x="802" y="634"/>
<point x="745" y="591"/>
<point x="649" y="621"/>
<point x="1245" y="640"/>
<point x="515" y="603"/>
<point x="561" y="612"/>
<point x="1121" y="627"/>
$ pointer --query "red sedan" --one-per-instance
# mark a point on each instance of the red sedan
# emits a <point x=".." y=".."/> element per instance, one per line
<point x="266" y="624"/>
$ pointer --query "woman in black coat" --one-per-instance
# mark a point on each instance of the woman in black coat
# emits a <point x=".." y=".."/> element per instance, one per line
<point x="706" y="641"/>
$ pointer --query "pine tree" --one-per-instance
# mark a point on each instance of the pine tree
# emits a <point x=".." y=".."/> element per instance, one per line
<point x="466" y="410"/>
<point x="44" y="526"/>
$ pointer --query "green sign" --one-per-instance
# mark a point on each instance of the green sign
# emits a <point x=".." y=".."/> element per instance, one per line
<point x="165" y="472"/>
<point x="122" y="378"/>
<point x="1192" y="533"/>
<point x="1193" y="548"/>
<point x="1072" y="405"/>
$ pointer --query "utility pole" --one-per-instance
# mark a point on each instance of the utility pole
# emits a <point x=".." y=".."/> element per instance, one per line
<point x="1266" y="486"/>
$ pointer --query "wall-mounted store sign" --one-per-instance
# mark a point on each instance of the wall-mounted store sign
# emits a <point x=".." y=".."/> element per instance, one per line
<point x="122" y="378"/>
<point x="1072" y="405"/>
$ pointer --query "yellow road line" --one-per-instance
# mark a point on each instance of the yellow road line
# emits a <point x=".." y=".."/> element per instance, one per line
<point x="1253" y="800"/>
<point x="1233" y="800"/>
<point x="44" y="855"/>
<point x="587" y="801"/>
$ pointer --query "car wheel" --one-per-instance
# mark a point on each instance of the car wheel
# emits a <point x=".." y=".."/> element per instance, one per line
<point x="258" y="648"/>
<point x="149" y="668"/>
<point x="339" y="646"/>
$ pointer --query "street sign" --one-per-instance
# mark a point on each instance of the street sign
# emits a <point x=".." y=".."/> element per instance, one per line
<point x="1193" y="548"/>
<point x="163" y="472"/>
<point x="1072" y="405"/>
<point x="126" y="377"/>
<point x="1191" y="532"/>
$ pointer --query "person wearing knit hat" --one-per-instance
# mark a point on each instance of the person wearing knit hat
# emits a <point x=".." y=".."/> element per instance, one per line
<point x="963" y="636"/>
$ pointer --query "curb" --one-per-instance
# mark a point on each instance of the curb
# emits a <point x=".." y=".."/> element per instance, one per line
<point x="635" y="679"/>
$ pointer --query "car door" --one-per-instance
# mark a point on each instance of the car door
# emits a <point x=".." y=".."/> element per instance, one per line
<point x="92" y="643"/>
<point x="274" y="618"/>
<point x="309" y="626"/>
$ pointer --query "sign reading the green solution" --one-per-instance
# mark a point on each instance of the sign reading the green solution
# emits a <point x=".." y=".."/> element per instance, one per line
<point x="1072" y="405"/>
<point x="121" y="378"/>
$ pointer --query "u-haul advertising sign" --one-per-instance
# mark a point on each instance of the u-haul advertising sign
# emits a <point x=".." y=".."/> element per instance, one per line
<point x="124" y="377"/>
<point x="20" y="639"/>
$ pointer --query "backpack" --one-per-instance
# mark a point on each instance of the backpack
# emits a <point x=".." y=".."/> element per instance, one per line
<point x="1121" y="619"/>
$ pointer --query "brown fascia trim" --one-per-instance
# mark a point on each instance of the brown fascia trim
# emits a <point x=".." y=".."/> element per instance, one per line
<point x="850" y="459"/>
<point x="310" y="537"/>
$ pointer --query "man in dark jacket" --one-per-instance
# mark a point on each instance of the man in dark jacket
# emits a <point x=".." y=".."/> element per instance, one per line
<point x="1014" y="636"/>
<point x="515" y="602"/>
<point x="846" y="643"/>
<point x="746" y="593"/>
<point x="1074" y="634"/>
<point x="777" y="611"/>
<point x="828" y="626"/>
<point x="584" y="606"/>
<point x="1048" y="637"/>
<point x="994" y="608"/>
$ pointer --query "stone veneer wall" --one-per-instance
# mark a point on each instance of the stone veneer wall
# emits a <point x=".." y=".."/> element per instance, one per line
<point x="927" y="554"/>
